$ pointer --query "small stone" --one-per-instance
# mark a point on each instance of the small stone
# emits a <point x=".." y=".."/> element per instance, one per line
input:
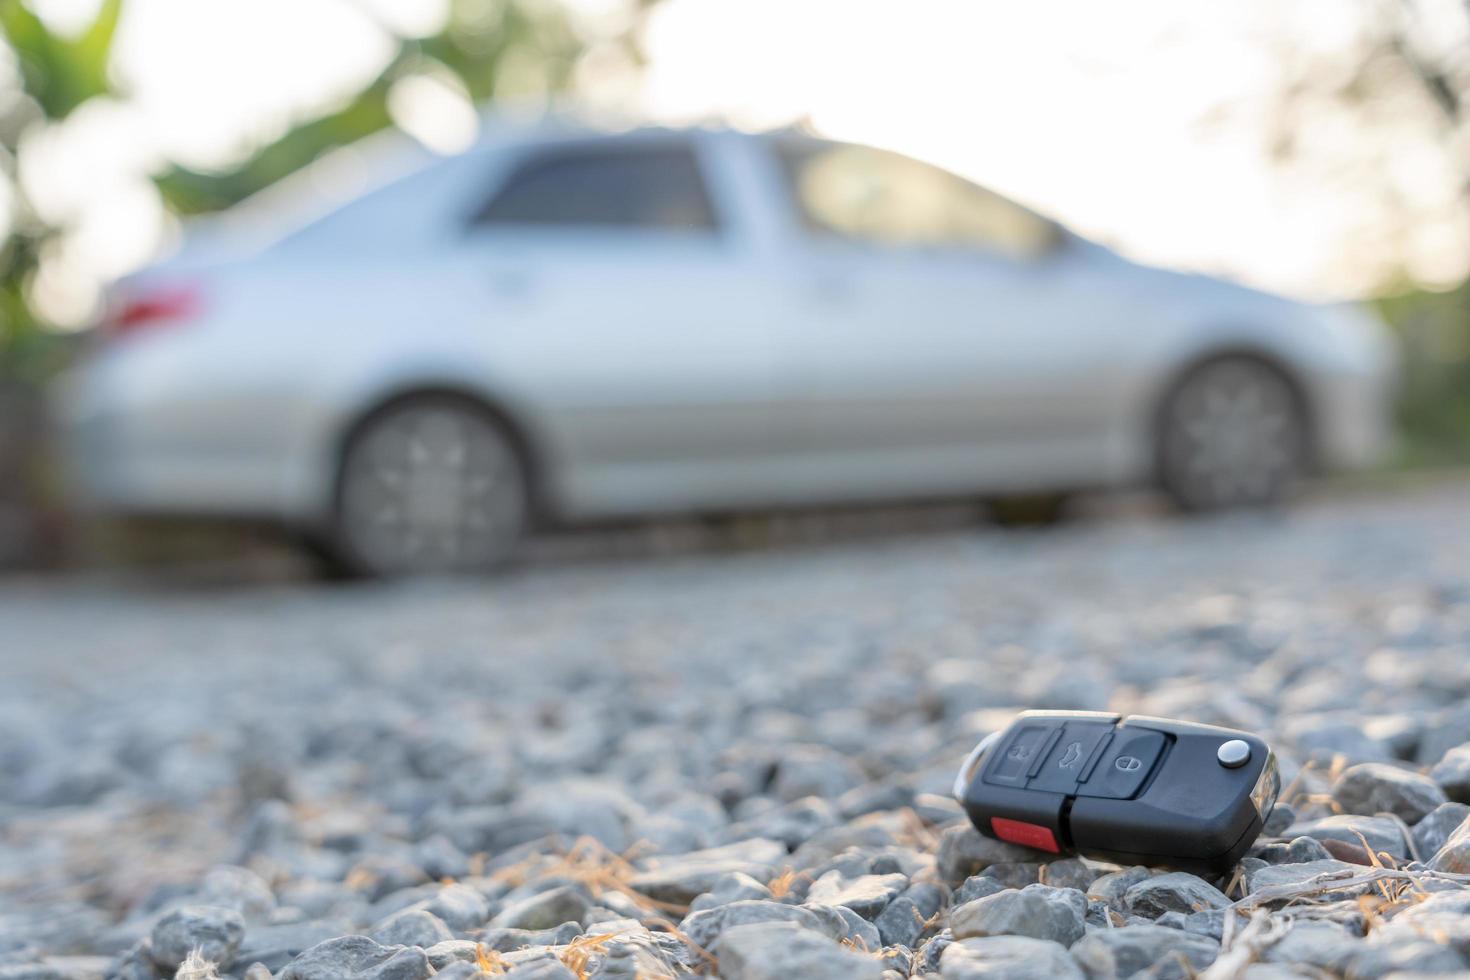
<point x="1275" y="875"/>
<point x="1015" y="874"/>
<point x="1282" y="816"/>
<point x="1038" y="911"/>
<point x="963" y="852"/>
<point x="1208" y="923"/>
<point x="1164" y="953"/>
<point x="704" y="927"/>
<point x="1372" y="961"/>
<point x="275" y="946"/>
<point x="733" y="887"/>
<point x="451" y="951"/>
<point x="1322" y="944"/>
<point x="59" y="968"/>
<point x="1431" y="833"/>
<point x="843" y="924"/>
<point x="814" y="770"/>
<point x="1069" y="873"/>
<point x="544" y="909"/>
<point x="505" y="940"/>
<point x="1323" y="737"/>
<point x="240" y="889"/>
<point x="1176" y="891"/>
<point x="214" y="930"/>
<point x="1452" y="773"/>
<point x="1446" y="732"/>
<point x="1297" y="851"/>
<point x="440" y="859"/>
<point x="379" y="876"/>
<point x="543" y="968"/>
<point x="784" y="950"/>
<point x="867" y="895"/>
<point x="897" y="960"/>
<point x="1443" y="917"/>
<point x="977" y="886"/>
<point x="1454" y="856"/>
<point x="461" y="907"/>
<point x="358" y="958"/>
<point x="908" y="915"/>
<point x="1376" y="787"/>
<point x="411" y="927"/>
<point x="794" y="823"/>
<point x="460" y="971"/>
<point x="1111" y="887"/>
<point x="1008" y="958"/>
<point x="681" y="879"/>
<point x="1382" y="833"/>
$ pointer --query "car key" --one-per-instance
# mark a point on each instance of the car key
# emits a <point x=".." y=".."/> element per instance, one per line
<point x="1133" y="790"/>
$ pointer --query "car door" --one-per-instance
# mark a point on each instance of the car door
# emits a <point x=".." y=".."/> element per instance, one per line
<point x="621" y="296"/>
<point x="946" y="343"/>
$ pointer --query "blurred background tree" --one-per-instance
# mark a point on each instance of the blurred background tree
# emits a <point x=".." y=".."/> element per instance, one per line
<point x="1398" y="89"/>
<point x="53" y="75"/>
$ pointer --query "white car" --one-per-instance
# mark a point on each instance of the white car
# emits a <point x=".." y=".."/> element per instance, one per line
<point x="564" y="324"/>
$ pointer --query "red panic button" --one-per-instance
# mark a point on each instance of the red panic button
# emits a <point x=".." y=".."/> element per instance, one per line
<point x="1028" y="834"/>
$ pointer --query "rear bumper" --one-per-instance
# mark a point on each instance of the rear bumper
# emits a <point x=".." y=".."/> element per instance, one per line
<point x="131" y="452"/>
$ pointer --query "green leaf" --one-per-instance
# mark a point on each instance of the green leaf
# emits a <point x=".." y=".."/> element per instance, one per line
<point x="60" y="73"/>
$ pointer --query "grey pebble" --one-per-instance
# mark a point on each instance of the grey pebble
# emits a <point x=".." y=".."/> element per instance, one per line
<point x="867" y="895"/>
<point x="1431" y="833"/>
<point x="411" y="927"/>
<point x="1037" y="911"/>
<point x="1376" y="787"/>
<point x="358" y="958"/>
<point x="1166" y="954"/>
<point x="1452" y="773"/>
<point x="1176" y="891"/>
<point x="543" y="910"/>
<point x="214" y="930"/>
<point x="1008" y="958"/>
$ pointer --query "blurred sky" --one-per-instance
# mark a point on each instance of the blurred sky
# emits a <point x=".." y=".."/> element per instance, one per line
<point x="1142" y="123"/>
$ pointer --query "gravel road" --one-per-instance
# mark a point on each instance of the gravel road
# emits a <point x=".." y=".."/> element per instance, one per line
<point x="736" y="763"/>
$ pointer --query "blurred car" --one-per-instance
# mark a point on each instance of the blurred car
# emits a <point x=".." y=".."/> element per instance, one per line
<point x="564" y="324"/>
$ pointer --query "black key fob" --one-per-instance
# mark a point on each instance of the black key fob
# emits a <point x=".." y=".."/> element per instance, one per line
<point x="1132" y="790"/>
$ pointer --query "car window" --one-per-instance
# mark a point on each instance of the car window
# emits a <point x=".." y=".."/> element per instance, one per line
<point x="649" y="187"/>
<point x="872" y="195"/>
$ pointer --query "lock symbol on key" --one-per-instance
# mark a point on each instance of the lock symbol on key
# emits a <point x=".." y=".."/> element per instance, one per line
<point x="1071" y="757"/>
<point x="1127" y="763"/>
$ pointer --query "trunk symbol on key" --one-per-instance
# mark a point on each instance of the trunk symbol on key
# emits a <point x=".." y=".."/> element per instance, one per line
<point x="1127" y="763"/>
<point x="1072" y="757"/>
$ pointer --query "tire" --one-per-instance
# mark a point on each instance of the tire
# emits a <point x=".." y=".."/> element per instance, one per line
<point x="428" y="485"/>
<point x="1231" y="434"/>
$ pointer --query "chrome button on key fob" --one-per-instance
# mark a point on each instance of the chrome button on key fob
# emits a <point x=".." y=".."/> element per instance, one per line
<point x="1133" y="790"/>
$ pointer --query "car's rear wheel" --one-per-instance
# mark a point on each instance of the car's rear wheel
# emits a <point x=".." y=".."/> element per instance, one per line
<point x="1232" y="433"/>
<point x="429" y="485"/>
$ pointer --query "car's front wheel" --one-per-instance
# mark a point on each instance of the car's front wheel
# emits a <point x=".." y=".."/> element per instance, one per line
<point x="1232" y="433"/>
<point x="429" y="485"/>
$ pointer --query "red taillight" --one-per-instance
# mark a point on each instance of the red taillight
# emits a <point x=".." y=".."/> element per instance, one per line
<point x="152" y="308"/>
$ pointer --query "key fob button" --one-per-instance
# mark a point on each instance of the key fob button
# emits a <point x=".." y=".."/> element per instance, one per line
<point x="1122" y="769"/>
<point x="1069" y="756"/>
<point x="1234" y="753"/>
<point x="1015" y="758"/>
